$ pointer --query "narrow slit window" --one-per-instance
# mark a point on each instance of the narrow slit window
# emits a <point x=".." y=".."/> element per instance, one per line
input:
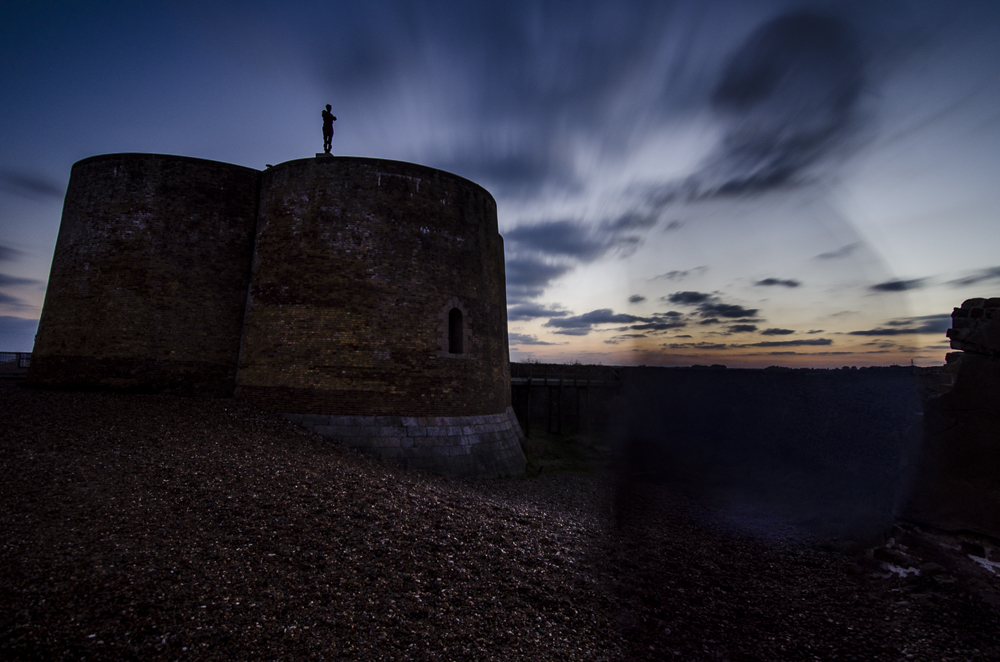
<point x="455" y="331"/>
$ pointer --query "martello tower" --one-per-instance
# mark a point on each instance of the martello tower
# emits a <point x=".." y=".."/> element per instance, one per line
<point x="362" y="298"/>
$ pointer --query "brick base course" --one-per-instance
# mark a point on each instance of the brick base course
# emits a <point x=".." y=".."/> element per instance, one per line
<point x="486" y="445"/>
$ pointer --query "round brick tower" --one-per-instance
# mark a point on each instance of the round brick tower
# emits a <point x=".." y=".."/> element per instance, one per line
<point x="376" y="313"/>
<point x="149" y="276"/>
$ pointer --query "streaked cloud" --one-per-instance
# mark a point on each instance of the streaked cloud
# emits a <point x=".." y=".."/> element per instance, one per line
<point x="923" y="324"/>
<point x="7" y="280"/>
<point x="563" y="239"/>
<point x="770" y="282"/>
<point x="789" y="95"/>
<point x="695" y="345"/>
<point x="14" y="302"/>
<point x="678" y="274"/>
<point x="527" y="277"/>
<point x="529" y="311"/>
<point x="897" y="285"/>
<point x="583" y="324"/>
<point x="790" y="343"/>
<point x="30" y="185"/>
<point x="525" y="339"/>
<point x="842" y="252"/>
<point x="10" y="254"/>
<point x="540" y="253"/>
<point x="980" y="276"/>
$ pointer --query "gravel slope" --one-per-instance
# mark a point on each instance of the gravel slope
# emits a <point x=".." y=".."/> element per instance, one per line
<point x="155" y="527"/>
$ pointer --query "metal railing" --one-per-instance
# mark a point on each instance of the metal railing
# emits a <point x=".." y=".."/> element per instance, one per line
<point x="16" y="360"/>
<point x="560" y="382"/>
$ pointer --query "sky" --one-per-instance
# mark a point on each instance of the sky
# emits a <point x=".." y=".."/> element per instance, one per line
<point x="746" y="183"/>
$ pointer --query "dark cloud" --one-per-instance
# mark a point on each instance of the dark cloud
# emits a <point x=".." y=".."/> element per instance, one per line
<point x="710" y="320"/>
<point x="636" y="298"/>
<point x="981" y="276"/>
<point x="777" y="332"/>
<point x="843" y="251"/>
<point x="897" y="285"/>
<point x="9" y="281"/>
<point x="573" y="331"/>
<point x="741" y="328"/>
<point x="658" y="326"/>
<point x="789" y="100"/>
<point x="529" y="311"/>
<point x="924" y="324"/>
<point x="812" y="331"/>
<point x="588" y="320"/>
<point x="542" y="252"/>
<point x="527" y="277"/>
<point x="727" y="310"/>
<point x="711" y="308"/>
<point x="536" y="77"/>
<point x="768" y="282"/>
<point x="673" y="225"/>
<point x="881" y="344"/>
<point x="518" y="173"/>
<point x="694" y="345"/>
<point x="631" y="221"/>
<point x="9" y="254"/>
<point x="31" y="186"/>
<point x="582" y="324"/>
<point x="688" y="298"/>
<point x="562" y="238"/>
<point x="681" y="274"/>
<point x="628" y="336"/>
<point x="789" y="343"/>
<point x="525" y="339"/>
<point x="800" y="353"/>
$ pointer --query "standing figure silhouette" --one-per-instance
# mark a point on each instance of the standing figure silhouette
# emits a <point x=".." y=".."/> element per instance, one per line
<point x="328" y="120"/>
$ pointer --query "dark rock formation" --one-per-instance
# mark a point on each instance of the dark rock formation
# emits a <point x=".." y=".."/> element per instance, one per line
<point x="957" y="477"/>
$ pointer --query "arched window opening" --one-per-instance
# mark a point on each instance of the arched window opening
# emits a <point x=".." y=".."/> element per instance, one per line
<point x="455" y="332"/>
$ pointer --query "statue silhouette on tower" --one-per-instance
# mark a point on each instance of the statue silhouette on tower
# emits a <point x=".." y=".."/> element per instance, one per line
<point x="328" y="120"/>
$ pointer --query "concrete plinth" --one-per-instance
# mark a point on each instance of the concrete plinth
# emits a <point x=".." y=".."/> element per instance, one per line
<point x="482" y="446"/>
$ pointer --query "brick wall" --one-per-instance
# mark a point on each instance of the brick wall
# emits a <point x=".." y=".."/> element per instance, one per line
<point x="149" y="276"/>
<point x="357" y="262"/>
<point x="321" y="287"/>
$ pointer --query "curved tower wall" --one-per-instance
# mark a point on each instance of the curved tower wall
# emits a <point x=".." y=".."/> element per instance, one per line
<point x="357" y="268"/>
<point x="149" y="276"/>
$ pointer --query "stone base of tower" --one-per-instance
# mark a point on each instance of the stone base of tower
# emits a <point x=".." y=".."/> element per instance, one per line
<point x="460" y="446"/>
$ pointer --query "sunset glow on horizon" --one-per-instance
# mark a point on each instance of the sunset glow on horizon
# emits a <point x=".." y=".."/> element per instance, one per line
<point x="742" y="183"/>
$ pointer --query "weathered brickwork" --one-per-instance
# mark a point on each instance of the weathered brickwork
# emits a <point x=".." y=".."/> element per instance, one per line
<point x="487" y="445"/>
<point x="149" y="276"/>
<point x="322" y="286"/>
<point x="356" y="261"/>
